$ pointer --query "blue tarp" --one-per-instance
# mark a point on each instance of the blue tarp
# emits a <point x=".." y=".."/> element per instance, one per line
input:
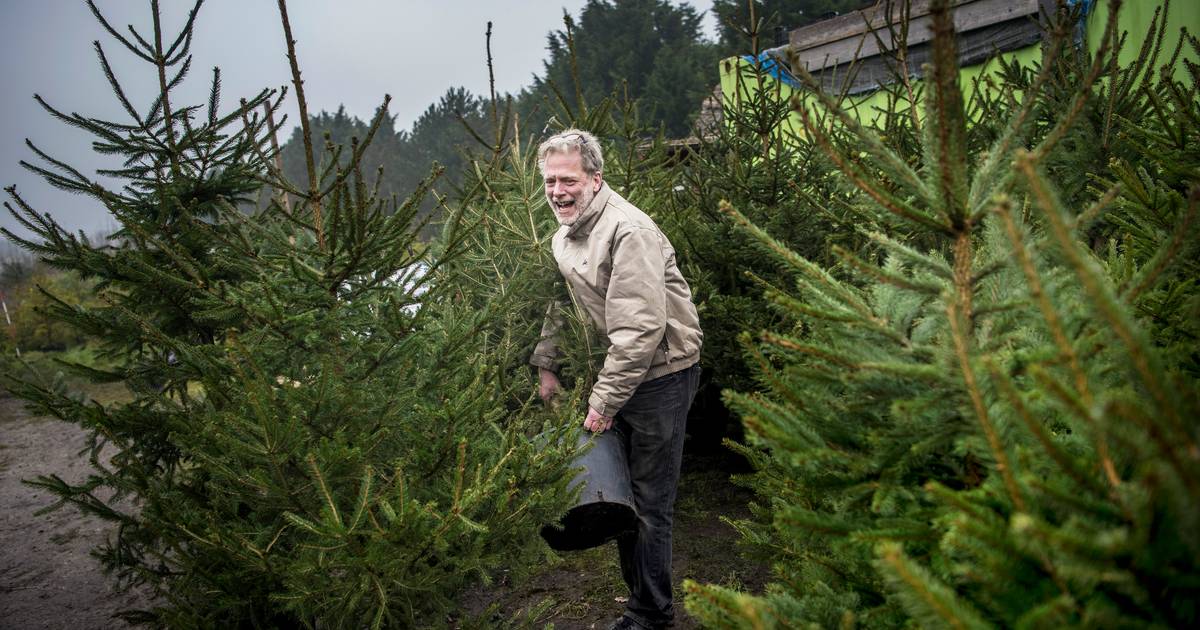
<point x="771" y="65"/>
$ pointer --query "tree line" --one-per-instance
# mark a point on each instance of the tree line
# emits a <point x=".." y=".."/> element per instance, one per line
<point x="653" y="52"/>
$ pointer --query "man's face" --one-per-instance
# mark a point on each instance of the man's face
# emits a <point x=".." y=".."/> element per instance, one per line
<point x="568" y="188"/>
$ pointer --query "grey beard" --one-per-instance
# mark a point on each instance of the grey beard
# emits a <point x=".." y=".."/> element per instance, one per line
<point x="581" y="203"/>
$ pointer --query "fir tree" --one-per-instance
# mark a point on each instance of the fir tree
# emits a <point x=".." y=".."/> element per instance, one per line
<point x="980" y="420"/>
<point x="324" y="430"/>
<point x="754" y="160"/>
<point x="649" y="50"/>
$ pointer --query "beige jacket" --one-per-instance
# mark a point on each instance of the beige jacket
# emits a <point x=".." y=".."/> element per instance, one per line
<point x="620" y="268"/>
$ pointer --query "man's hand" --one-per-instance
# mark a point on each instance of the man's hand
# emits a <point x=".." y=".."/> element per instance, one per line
<point x="595" y="422"/>
<point x="550" y="386"/>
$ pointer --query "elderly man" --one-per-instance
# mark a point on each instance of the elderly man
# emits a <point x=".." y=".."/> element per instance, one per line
<point x="621" y="269"/>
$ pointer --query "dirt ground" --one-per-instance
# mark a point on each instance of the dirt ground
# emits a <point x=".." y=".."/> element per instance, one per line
<point x="48" y="578"/>
<point x="583" y="590"/>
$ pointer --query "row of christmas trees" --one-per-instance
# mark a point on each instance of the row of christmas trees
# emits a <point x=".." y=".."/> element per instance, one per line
<point x="978" y="406"/>
<point x="966" y="369"/>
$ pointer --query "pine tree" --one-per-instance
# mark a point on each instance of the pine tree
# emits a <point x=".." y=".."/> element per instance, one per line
<point x="753" y="160"/>
<point x="980" y="420"/>
<point x="390" y="151"/>
<point x="325" y="430"/>
<point x="404" y="157"/>
<point x="650" y="50"/>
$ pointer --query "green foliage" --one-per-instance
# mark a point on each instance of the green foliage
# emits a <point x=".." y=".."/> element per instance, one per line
<point x="400" y="159"/>
<point x="755" y="163"/>
<point x="986" y="414"/>
<point x="388" y="152"/>
<point x="31" y="328"/>
<point x="439" y="133"/>
<point x="648" y="50"/>
<point x="328" y="427"/>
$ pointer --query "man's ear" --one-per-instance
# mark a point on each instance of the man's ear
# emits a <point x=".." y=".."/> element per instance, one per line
<point x="598" y="180"/>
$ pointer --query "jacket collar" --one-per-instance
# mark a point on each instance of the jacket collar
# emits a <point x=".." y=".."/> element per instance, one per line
<point x="583" y="225"/>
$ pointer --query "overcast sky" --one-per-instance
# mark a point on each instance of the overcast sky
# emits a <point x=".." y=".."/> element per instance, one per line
<point x="351" y="53"/>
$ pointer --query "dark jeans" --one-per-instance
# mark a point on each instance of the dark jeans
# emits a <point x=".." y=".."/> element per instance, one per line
<point x="651" y="427"/>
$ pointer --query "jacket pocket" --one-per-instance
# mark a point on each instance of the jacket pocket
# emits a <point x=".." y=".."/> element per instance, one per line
<point x="679" y="341"/>
<point x="662" y="354"/>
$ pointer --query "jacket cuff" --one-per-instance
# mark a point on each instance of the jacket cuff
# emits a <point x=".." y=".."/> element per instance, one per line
<point x="602" y="407"/>
<point x="543" y="361"/>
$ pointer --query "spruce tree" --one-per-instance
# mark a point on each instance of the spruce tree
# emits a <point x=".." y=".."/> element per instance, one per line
<point x="323" y="427"/>
<point x="980" y="420"/>
<point x="651" y="50"/>
<point x="753" y="160"/>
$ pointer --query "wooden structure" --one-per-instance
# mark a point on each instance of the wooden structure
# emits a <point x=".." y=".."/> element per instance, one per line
<point x="705" y="129"/>
<point x="843" y="52"/>
<point x="862" y="44"/>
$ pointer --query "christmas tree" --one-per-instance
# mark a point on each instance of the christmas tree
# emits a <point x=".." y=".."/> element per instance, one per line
<point x="328" y="427"/>
<point x="987" y="416"/>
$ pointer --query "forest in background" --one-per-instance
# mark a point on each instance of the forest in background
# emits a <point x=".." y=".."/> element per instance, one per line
<point x="653" y="52"/>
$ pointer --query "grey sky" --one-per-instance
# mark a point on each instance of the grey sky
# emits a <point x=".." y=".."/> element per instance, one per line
<point x="351" y="52"/>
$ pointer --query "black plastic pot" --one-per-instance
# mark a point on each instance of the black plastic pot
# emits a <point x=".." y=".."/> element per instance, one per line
<point x="605" y="509"/>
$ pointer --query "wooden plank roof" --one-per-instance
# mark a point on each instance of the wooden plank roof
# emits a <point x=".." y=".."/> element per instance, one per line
<point x="852" y="51"/>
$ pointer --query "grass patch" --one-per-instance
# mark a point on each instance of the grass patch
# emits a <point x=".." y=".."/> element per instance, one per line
<point x="47" y="368"/>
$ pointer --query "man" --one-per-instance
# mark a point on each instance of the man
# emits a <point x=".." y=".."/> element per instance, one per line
<point x="621" y="269"/>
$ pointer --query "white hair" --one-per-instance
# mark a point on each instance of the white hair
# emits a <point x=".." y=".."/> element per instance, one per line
<point x="574" y="140"/>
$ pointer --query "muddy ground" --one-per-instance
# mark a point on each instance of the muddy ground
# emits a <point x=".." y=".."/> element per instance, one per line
<point x="48" y="579"/>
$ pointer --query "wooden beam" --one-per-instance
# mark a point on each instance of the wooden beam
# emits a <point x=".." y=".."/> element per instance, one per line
<point x="974" y="47"/>
<point x="969" y="15"/>
<point x="854" y="23"/>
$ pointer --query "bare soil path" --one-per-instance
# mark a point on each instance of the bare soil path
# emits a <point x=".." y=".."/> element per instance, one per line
<point x="48" y="578"/>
